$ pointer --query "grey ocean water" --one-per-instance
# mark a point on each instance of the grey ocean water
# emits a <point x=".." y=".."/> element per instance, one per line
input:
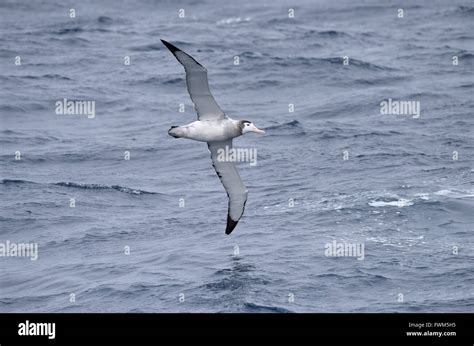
<point x="400" y="192"/>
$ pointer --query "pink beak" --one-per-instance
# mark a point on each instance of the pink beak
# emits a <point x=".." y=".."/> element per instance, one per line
<point x="257" y="130"/>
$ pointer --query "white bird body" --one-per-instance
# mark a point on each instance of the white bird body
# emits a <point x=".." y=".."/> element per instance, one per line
<point x="215" y="128"/>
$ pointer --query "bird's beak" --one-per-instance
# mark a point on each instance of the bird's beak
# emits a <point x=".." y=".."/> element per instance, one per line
<point x="257" y="130"/>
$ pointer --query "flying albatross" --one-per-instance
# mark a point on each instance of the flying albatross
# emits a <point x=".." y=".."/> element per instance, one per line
<point x="215" y="128"/>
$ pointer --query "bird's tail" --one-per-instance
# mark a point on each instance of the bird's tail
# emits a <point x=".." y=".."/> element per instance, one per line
<point x="176" y="132"/>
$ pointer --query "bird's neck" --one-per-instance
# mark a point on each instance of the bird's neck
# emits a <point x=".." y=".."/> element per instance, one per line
<point x="237" y="126"/>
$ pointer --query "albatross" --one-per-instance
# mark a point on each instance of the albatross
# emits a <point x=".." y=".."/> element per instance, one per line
<point x="216" y="129"/>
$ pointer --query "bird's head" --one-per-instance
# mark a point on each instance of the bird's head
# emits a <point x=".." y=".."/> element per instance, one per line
<point x="248" y="126"/>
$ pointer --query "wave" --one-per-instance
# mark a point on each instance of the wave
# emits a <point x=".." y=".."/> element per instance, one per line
<point x="11" y="132"/>
<point x="252" y="55"/>
<point x="26" y="107"/>
<point x="400" y="203"/>
<point x="291" y="128"/>
<point x="104" y="187"/>
<point x="326" y="33"/>
<point x="45" y="76"/>
<point x="468" y="86"/>
<point x="264" y="83"/>
<point x="367" y="65"/>
<point x="36" y="140"/>
<point x="91" y="25"/>
<point x="375" y="199"/>
<point x="321" y="62"/>
<point x="380" y="81"/>
<point x="154" y="81"/>
<point x="157" y="46"/>
<point x="449" y="51"/>
<point x="148" y="47"/>
<point x="66" y="31"/>
<point x="233" y="20"/>
<point x="251" y="307"/>
<point x="455" y="193"/>
<point x="288" y="125"/>
<point x="466" y="56"/>
<point x="420" y="197"/>
<point x="82" y="186"/>
<point x="360" y="276"/>
<point x="466" y="10"/>
<point x="15" y="181"/>
<point x="104" y="20"/>
<point x="158" y="81"/>
<point x="172" y="81"/>
<point x="71" y="41"/>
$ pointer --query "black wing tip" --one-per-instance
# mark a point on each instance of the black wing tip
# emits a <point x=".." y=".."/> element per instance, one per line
<point x="174" y="49"/>
<point x="230" y="225"/>
<point x="170" y="46"/>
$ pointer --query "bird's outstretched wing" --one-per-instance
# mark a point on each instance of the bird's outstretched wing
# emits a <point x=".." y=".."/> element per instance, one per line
<point x="236" y="190"/>
<point x="198" y="86"/>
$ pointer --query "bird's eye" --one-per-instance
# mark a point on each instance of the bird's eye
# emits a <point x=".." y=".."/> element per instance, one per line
<point x="247" y="124"/>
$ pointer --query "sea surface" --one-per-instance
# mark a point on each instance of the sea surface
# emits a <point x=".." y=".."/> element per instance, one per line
<point x="147" y="234"/>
